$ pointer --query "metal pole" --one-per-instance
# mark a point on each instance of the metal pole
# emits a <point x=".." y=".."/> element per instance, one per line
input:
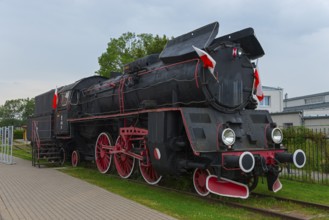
<point x="11" y="138"/>
<point x="7" y="140"/>
<point x="6" y="144"/>
<point x="1" y="146"/>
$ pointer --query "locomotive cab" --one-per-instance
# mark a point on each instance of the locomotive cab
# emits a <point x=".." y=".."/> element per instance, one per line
<point x="69" y="103"/>
<point x="61" y="124"/>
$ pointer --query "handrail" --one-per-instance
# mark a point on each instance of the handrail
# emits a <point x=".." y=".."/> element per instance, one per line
<point x="35" y="136"/>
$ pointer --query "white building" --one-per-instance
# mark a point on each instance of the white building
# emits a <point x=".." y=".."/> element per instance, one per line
<point x="273" y="99"/>
<point x="311" y="111"/>
<point x="310" y="105"/>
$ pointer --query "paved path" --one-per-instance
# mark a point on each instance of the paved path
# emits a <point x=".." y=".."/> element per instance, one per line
<point x="27" y="192"/>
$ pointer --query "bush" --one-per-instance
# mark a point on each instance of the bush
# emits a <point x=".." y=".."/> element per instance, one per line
<point x="18" y="134"/>
<point x="315" y="144"/>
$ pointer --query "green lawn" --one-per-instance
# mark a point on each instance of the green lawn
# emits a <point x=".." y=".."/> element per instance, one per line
<point x="309" y="192"/>
<point x="171" y="203"/>
<point x="22" y="150"/>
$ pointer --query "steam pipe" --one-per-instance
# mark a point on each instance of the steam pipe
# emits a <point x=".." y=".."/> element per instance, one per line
<point x="246" y="161"/>
<point x="298" y="158"/>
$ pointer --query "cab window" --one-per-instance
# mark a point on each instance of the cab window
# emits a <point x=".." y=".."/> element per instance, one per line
<point x="64" y="98"/>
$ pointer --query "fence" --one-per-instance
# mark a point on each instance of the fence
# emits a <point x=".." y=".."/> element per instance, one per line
<point x="315" y="144"/>
<point x="6" y="144"/>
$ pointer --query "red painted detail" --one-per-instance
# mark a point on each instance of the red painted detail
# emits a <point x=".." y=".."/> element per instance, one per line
<point x="133" y="131"/>
<point x="265" y="134"/>
<point x="168" y="66"/>
<point x="148" y="172"/>
<point x="157" y="153"/>
<point x="109" y="116"/>
<point x="200" y="181"/>
<point x="269" y="156"/>
<point x="196" y="74"/>
<point x="124" y="157"/>
<point x="175" y="64"/>
<point x="75" y="158"/>
<point x="112" y="84"/>
<point x="234" y="52"/>
<point x="124" y="163"/>
<point x="277" y="186"/>
<point x="119" y="150"/>
<point x="35" y="136"/>
<point x="121" y="95"/>
<point x="102" y="156"/>
<point x="227" y="187"/>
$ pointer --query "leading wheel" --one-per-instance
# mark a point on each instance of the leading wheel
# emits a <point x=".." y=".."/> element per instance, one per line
<point x="145" y="167"/>
<point x="102" y="157"/>
<point x="75" y="158"/>
<point x="199" y="181"/>
<point x="124" y="163"/>
<point x="252" y="182"/>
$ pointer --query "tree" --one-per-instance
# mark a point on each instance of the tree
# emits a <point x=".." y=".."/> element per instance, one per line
<point x="29" y="105"/>
<point x="127" y="48"/>
<point x="16" y="112"/>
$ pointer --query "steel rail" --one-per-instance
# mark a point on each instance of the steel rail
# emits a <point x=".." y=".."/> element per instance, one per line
<point x="262" y="211"/>
<point x="300" y="202"/>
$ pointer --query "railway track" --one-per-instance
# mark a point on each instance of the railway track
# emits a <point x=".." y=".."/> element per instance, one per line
<point x="263" y="211"/>
<point x="303" y="203"/>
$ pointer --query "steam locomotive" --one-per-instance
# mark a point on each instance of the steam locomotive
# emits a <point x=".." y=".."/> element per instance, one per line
<point x="189" y="109"/>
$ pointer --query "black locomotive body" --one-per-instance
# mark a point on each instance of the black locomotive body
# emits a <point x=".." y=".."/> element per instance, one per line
<point x="171" y="114"/>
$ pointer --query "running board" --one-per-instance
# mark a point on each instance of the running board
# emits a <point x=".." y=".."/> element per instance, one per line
<point x="227" y="187"/>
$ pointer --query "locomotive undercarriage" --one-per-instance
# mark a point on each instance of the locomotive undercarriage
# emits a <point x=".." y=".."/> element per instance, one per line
<point x="163" y="143"/>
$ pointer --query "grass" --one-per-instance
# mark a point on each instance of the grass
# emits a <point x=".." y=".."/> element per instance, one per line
<point x="309" y="192"/>
<point x="171" y="203"/>
<point x="22" y="150"/>
<point x="186" y="207"/>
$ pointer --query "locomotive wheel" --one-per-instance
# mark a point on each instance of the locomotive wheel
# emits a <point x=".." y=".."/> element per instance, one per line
<point x="147" y="170"/>
<point x="199" y="181"/>
<point x="102" y="157"/>
<point x="75" y="158"/>
<point x="124" y="163"/>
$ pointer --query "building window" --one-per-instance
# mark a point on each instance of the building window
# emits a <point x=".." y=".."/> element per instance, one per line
<point x="266" y="102"/>
<point x="288" y="125"/>
<point x="314" y="100"/>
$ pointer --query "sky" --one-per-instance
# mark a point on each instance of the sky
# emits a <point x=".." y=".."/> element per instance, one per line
<point x="44" y="44"/>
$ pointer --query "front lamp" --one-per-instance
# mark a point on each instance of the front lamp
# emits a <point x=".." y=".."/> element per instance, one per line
<point x="277" y="135"/>
<point x="228" y="137"/>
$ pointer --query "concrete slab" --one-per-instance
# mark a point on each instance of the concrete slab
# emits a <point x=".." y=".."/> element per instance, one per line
<point x="27" y="192"/>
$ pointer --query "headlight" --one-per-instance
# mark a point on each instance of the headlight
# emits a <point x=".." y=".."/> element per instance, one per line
<point x="228" y="137"/>
<point x="277" y="135"/>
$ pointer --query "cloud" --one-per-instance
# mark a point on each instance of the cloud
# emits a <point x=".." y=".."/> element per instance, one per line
<point x="49" y="43"/>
